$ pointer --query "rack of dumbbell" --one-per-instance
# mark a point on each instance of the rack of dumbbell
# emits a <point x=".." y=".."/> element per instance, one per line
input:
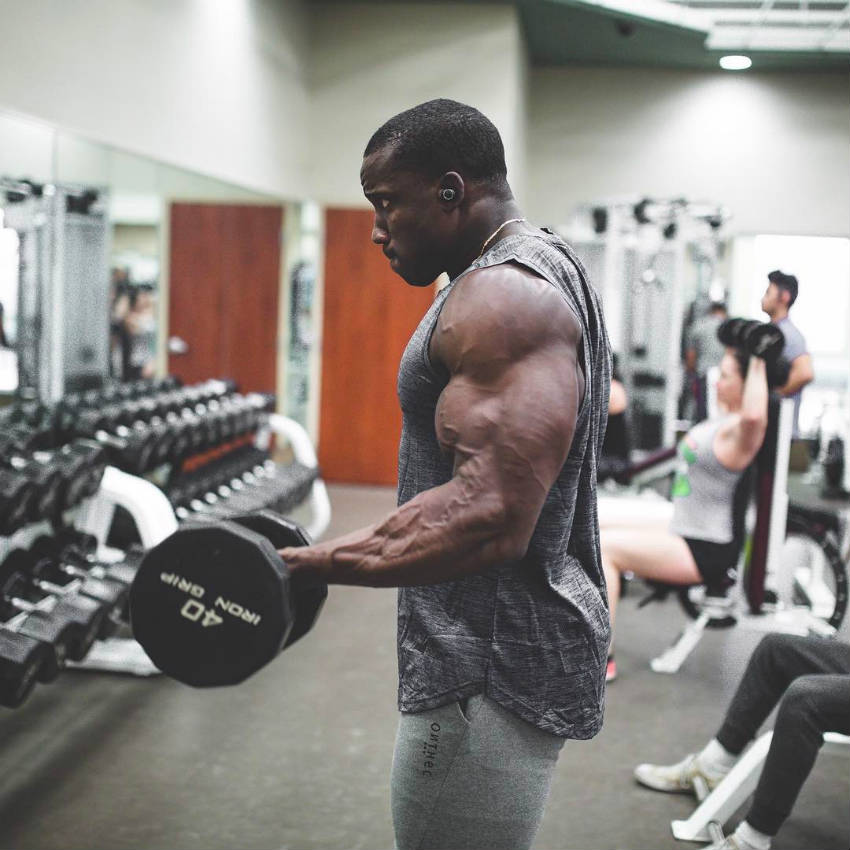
<point x="200" y="443"/>
<point x="55" y="599"/>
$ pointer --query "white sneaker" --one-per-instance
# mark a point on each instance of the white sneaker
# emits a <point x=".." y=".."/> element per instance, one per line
<point x="728" y="843"/>
<point x="676" y="778"/>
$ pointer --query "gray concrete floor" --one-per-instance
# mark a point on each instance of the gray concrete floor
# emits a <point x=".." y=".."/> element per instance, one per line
<point x="299" y="756"/>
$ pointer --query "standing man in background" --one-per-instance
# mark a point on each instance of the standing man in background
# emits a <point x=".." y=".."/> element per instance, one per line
<point x="777" y="300"/>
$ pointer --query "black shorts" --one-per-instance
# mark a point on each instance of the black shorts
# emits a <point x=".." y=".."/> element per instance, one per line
<point x="716" y="562"/>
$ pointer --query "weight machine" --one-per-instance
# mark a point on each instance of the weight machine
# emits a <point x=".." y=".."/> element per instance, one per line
<point x="63" y="289"/>
<point x="649" y="259"/>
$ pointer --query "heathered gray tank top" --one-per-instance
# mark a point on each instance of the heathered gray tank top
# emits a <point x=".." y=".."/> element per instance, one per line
<point x="532" y="635"/>
<point x="703" y="489"/>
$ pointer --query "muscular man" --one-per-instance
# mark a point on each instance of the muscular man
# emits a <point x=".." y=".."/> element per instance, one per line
<point x="502" y="616"/>
<point x="780" y="295"/>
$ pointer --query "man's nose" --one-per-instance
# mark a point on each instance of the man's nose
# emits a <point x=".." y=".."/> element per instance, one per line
<point x="379" y="234"/>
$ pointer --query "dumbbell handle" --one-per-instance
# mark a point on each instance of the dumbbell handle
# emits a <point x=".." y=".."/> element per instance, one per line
<point x="57" y="589"/>
<point x="46" y="604"/>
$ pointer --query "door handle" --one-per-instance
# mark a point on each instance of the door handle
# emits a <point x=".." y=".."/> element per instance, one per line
<point x="176" y="345"/>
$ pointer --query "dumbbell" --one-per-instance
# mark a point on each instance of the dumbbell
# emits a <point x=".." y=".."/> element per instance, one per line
<point x="67" y="627"/>
<point x="131" y="448"/>
<point x="94" y="463"/>
<point x="76" y="554"/>
<point x="214" y="603"/>
<point x="46" y="478"/>
<point x="142" y="415"/>
<point x="762" y="339"/>
<point x="64" y="580"/>
<point x="77" y="478"/>
<point x="221" y="493"/>
<point x="17" y="497"/>
<point x="41" y="623"/>
<point x="79" y="468"/>
<point x="21" y="661"/>
<point x="81" y="548"/>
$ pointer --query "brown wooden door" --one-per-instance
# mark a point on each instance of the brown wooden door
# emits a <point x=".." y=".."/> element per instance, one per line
<point x="224" y="282"/>
<point x="369" y="315"/>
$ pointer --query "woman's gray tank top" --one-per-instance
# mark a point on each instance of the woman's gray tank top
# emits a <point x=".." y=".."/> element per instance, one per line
<point x="703" y="489"/>
<point x="532" y="635"/>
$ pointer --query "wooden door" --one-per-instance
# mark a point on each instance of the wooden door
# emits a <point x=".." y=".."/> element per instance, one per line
<point x="368" y="316"/>
<point x="223" y="293"/>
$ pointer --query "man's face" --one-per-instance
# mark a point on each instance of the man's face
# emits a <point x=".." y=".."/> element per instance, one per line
<point x="409" y="224"/>
<point x="771" y="301"/>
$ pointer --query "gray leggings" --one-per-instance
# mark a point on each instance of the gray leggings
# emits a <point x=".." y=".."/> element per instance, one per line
<point x="470" y="775"/>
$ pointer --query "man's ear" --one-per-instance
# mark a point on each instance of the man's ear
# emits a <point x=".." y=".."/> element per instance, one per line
<point x="451" y="191"/>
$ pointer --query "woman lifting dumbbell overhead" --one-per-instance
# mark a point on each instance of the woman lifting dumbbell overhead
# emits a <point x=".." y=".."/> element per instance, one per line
<point x="699" y="545"/>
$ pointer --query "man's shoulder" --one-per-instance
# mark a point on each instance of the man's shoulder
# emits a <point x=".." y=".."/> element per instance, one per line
<point x="795" y="342"/>
<point x="506" y="307"/>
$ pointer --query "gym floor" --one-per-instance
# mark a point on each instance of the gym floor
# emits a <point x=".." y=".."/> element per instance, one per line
<point x="299" y="756"/>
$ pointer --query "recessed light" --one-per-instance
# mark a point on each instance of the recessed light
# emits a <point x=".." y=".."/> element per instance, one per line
<point x="735" y="63"/>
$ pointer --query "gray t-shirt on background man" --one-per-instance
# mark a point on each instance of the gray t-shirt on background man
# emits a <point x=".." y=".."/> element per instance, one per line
<point x="795" y="346"/>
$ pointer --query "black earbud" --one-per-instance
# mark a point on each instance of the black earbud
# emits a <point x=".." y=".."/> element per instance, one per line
<point x="447" y="194"/>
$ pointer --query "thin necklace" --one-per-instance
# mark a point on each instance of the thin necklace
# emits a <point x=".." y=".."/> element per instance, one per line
<point x="495" y="233"/>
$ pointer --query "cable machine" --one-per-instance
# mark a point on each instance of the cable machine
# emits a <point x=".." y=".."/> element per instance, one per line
<point x="655" y="264"/>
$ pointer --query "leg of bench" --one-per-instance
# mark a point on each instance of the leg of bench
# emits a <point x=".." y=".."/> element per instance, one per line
<point x="727" y="797"/>
<point x="674" y="656"/>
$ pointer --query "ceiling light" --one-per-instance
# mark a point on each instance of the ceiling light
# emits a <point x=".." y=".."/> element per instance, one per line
<point x="735" y="63"/>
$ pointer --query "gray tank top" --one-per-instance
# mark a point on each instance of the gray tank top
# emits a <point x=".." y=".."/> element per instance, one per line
<point x="703" y="489"/>
<point x="532" y="635"/>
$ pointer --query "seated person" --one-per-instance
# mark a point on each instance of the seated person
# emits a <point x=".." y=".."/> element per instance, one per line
<point x="810" y="679"/>
<point x="697" y="546"/>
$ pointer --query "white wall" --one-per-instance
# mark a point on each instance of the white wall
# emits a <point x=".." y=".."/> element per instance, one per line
<point x="370" y="61"/>
<point x="214" y="86"/>
<point x="772" y="147"/>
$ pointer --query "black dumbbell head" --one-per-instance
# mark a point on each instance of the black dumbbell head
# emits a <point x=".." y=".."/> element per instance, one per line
<point x="87" y="617"/>
<point x="307" y="599"/>
<point x="778" y="372"/>
<point x="765" y="340"/>
<point x="17" y="495"/>
<point x="56" y="634"/>
<point x="21" y="660"/>
<point x="729" y="332"/>
<point x="211" y="605"/>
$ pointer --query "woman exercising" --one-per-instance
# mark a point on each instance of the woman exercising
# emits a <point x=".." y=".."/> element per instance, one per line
<point x="697" y="545"/>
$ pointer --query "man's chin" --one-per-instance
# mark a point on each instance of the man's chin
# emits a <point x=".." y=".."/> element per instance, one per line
<point x="414" y="279"/>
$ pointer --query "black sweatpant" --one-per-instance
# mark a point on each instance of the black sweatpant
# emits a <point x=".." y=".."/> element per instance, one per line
<point x="811" y="676"/>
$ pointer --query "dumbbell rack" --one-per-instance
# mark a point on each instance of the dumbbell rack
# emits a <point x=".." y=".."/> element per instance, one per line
<point x="149" y="507"/>
<point x="153" y="513"/>
<point x="155" y="520"/>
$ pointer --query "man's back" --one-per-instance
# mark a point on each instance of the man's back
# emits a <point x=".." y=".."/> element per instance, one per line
<point x="795" y="346"/>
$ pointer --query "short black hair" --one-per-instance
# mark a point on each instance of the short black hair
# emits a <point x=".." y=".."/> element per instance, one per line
<point x="742" y="358"/>
<point x="786" y="282"/>
<point x="443" y="135"/>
